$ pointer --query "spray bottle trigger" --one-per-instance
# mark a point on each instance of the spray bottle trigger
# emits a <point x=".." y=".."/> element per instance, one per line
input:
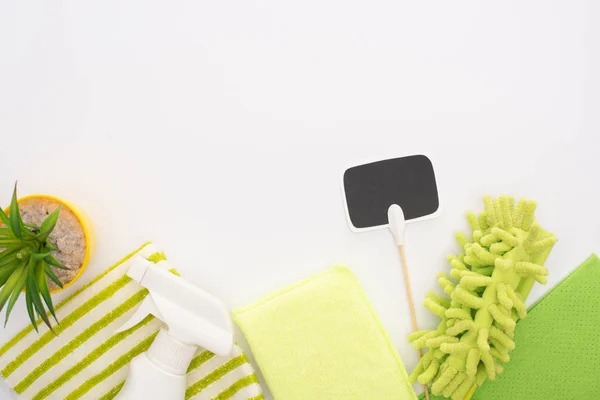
<point x="148" y="307"/>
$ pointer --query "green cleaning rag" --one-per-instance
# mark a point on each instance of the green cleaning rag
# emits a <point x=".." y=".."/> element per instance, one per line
<point x="87" y="360"/>
<point x="557" y="354"/>
<point x="320" y="339"/>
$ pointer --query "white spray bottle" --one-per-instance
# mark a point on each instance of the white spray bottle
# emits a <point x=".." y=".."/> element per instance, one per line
<point x="193" y="317"/>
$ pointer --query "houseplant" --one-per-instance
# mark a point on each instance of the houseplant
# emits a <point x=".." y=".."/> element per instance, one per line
<point x="44" y="248"/>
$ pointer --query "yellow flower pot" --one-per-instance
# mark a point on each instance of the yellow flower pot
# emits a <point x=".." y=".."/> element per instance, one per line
<point x="87" y="232"/>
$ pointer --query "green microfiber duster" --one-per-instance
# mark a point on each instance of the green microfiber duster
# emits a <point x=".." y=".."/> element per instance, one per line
<point x="487" y="287"/>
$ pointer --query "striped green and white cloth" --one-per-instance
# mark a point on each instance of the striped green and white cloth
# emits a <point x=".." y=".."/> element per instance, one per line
<point x="88" y="361"/>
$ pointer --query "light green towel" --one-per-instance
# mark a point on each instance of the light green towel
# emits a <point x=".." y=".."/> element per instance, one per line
<point x="557" y="354"/>
<point x="320" y="339"/>
<point x="88" y="361"/>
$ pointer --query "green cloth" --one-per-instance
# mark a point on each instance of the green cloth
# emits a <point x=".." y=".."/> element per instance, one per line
<point x="320" y="339"/>
<point x="557" y="354"/>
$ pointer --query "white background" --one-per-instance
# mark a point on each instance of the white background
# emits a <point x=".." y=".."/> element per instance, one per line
<point x="220" y="130"/>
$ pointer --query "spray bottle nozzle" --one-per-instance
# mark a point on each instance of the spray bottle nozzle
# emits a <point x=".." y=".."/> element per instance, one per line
<point x="194" y="319"/>
<point x="193" y="316"/>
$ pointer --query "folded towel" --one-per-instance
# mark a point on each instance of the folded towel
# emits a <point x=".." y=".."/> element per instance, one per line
<point x="88" y="361"/>
<point x="320" y="339"/>
<point x="557" y="354"/>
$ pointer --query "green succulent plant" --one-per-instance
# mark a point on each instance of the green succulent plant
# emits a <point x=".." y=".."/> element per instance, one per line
<point x="25" y="262"/>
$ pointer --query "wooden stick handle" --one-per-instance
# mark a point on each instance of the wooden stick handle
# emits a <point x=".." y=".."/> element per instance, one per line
<point x="411" y="303"/>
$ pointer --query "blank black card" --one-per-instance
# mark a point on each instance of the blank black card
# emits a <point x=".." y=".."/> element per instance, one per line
<point x="407" y="181"/>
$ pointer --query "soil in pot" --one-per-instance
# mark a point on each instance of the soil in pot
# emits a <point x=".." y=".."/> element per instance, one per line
<point x="68" y="235"/>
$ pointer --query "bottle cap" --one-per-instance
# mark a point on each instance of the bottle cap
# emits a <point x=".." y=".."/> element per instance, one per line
<point x="171" y="355"/>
